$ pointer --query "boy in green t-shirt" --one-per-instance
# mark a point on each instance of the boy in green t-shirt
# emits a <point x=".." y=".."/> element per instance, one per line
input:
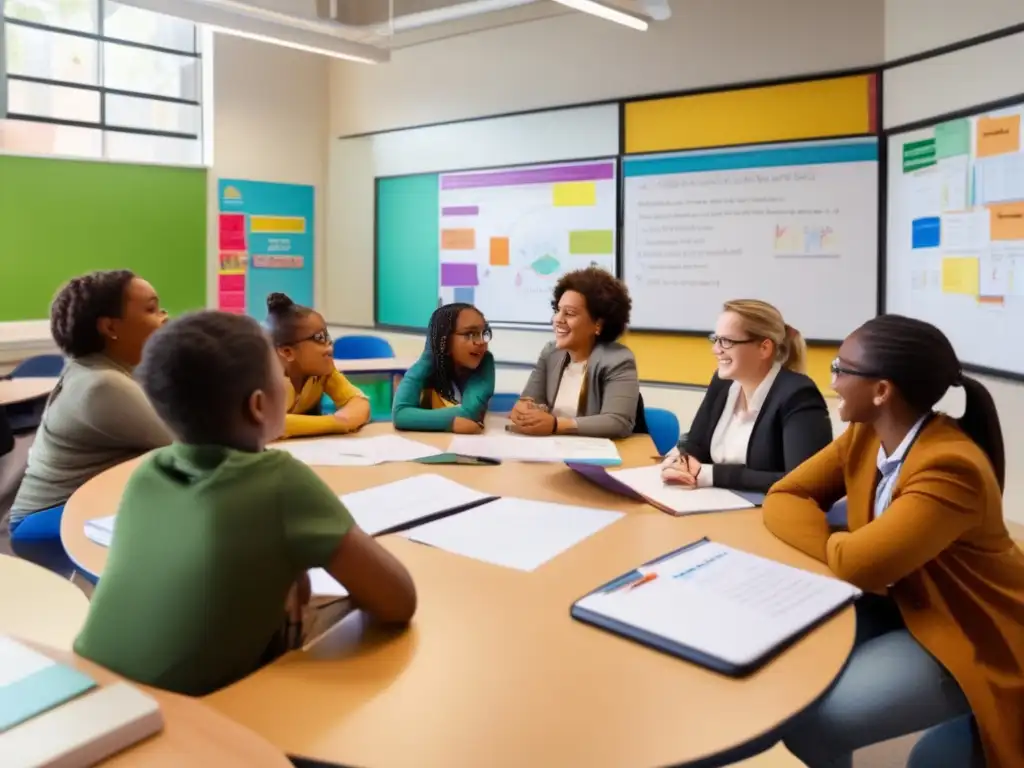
<point x="214" y="532"/>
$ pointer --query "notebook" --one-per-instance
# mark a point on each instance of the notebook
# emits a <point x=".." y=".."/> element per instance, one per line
<point x="355" y="451"/>
<point x="32" y="683"/>
<point x="645" y="484"/>
<point x="715" y="606"/>
<point x="510" y="447"/>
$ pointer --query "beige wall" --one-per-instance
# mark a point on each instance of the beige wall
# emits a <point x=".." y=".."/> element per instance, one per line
<point x="912" y="26"/>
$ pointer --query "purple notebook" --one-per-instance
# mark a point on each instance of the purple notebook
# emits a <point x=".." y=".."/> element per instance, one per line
<point x="600" y="476"/>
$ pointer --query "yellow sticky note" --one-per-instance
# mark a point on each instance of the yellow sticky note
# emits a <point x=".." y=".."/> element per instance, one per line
<point x="570" y="193"/>
<point x="961" y="274"/>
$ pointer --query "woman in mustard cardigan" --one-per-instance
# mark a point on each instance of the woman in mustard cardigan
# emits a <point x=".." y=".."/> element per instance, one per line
<point x="940" y="634"/>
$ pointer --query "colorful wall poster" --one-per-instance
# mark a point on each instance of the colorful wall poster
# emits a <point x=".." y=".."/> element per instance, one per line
<point x="266" y="244"/>
<point x="508" y="234"/>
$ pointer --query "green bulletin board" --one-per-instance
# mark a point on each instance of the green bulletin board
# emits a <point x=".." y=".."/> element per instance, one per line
<point x="61" y="218"/>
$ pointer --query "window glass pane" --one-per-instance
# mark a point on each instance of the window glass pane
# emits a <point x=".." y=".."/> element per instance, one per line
<point x="131" y="112"/>
<point x="131" y="147"/>
<point x="53" y="101"/>
<point x="23" y="137"/>
<point x="39" y="53"/>
<point x="141" y="26"/>
<point x="162" y="74"/>
<point x="69" y="14"/>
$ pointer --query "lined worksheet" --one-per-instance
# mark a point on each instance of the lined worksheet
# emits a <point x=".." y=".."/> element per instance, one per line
<point x="355" y="451"/>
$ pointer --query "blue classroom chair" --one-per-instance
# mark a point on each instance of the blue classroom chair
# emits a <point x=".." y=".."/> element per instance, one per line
<point x="503" y="402"/>
<point x="663" y="426"/>
<point x="361" y="348"/>
<point x="377" y="388"/>
<point x="40" y="365"/>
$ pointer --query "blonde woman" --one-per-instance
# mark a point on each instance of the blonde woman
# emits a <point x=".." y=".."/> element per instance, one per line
<point x="761" y="415"/>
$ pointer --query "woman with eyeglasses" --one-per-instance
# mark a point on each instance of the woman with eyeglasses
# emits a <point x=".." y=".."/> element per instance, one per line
<point x="450" y="386"/>
<point x="304" y="347"/>
<point x="585" y="382"/>
<point x="940" y="634"/>
<point x="761" y="415"/>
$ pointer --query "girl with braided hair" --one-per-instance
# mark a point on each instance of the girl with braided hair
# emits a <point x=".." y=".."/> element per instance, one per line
<point x="940" y="636"/>
<point x="449" y="387"/>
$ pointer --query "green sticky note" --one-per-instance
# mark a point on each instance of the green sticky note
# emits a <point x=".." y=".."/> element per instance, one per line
<point x="952" y="138"/>
<point x="918" y="155"/>
<point x="591" y="241"/>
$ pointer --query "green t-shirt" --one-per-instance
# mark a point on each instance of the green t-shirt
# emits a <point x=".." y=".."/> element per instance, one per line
<point x="207" y="544"/>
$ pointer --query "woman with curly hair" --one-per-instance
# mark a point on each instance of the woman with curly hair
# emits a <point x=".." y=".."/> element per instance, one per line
<point x="449" y="387"/>
<point x="584" y="383"/>
<point x="96" y="416"/>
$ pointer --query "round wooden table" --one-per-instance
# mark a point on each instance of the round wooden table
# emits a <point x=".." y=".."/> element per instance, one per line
<point x="38" y="605"/>
<point x="193" y="734"/>
<point x="14" y="391"/>
<point x="493" y="671"/>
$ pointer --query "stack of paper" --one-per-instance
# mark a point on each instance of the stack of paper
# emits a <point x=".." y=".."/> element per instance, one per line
<point x="515" y="533"/>
<point x="392" y="506"/>
<point x="355" y="451"/>
<point x="510" y="447"/>
<point x="645" y="483"/>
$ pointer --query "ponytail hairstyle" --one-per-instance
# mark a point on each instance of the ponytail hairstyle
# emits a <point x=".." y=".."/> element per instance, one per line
<point x="763" y="321"/>
<point x="283" y="317"/>
<point x="439" y="335"/>
<point x="921" y="362"/>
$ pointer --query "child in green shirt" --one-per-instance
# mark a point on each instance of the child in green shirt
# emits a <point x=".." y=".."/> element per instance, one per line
<point x="214" y="533"/>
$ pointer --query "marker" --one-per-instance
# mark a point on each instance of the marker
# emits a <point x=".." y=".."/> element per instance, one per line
<point x="651" y="576"/>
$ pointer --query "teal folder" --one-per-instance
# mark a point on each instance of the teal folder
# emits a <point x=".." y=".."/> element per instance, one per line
<point x="39" y="692"/>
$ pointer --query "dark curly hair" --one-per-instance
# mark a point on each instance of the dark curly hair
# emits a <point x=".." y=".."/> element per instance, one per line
<point x="606" y="296"/>
<point x="199" y="370"/>
<point x="283" y="317"/>
<point x="80" y="304"/>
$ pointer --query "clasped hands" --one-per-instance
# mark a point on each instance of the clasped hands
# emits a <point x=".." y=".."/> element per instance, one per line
<point x="679" y="469"/>
<point x="531" y="418"/>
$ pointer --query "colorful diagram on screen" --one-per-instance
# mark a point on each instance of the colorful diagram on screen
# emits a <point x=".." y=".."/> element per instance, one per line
<point x="507" y="235"/>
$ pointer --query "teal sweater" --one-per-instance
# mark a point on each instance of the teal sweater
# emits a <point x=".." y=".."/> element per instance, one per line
<point x="476" y="394"/>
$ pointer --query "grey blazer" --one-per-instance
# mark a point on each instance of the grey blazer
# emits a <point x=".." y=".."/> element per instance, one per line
<point x="608" y="408"/>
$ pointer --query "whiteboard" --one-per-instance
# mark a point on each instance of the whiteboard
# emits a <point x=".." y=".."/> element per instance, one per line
<point x="508" y="234"/>
<point x="793" y="224"/>
<point x="955" y="234"/>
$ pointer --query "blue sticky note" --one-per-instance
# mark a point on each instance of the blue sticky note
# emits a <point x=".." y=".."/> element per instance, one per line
<point x="925" y="233"/>
<point x="464" y="294"/>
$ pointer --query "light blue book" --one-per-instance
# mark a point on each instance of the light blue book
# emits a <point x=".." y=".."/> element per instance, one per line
<point x="32" y="683"/>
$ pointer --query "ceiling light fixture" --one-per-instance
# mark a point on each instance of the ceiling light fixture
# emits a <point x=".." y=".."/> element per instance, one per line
<point x="289" y="44"/>
<point x="595" y="8"/>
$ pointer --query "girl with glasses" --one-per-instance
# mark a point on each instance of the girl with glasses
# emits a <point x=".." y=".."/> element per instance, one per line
<point x="449" y="387"/>
<point x="940" y="634"/>
<point x="304" y="347"/>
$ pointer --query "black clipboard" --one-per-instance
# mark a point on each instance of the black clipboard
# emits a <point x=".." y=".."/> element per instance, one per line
<point x="680" y="650"/>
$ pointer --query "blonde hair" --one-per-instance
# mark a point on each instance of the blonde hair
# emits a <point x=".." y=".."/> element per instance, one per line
<point x="762" y="320"/>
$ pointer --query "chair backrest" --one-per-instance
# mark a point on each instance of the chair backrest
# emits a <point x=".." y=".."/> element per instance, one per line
<point x="663" y="427"/>
<point x="503" y="402"/>
<point x="40" y="365"/>
<point x="361" y="348"/>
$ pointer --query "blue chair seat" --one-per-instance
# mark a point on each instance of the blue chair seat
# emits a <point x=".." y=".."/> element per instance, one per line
<point x="362" y="348"/>
<point x="39" y="526"/>
<point x="40" y="365"/>
<point x="663" y="426"/>
<point x="503" y="402"/>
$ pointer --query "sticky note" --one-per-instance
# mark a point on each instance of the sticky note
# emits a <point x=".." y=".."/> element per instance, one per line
<point x="458" y="239"/>
<point x="925" y="232"/>
<point x="918" y="155"/>
<point x="961" y="275"/>
<point x="277" y="225"/>
<point x="231" y="282"/>
<point x="998" y="135"/>
<point x="575" y="193"/>
<point x="232" y="231"/>
<point x="1007" y="222"/>
<point x="465" y="294"/>
<point x="499" y="256"/>
<point x="456" y="274"/>
<point x="591" y="241"/>
<point x="953" y="138"/>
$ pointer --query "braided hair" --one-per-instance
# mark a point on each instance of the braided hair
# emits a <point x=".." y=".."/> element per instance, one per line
<point x="921" y="362"/>
<point x="439" y="334"/>
<point x="81" y="303"/>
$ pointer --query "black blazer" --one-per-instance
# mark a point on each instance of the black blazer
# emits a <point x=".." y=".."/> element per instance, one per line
<point x="792" y="425"/>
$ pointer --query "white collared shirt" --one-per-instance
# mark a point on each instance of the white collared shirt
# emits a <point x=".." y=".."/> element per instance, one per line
<point x="889" y="467"/>
<point x="732" y="433"/>
<point x="567" y="399"/>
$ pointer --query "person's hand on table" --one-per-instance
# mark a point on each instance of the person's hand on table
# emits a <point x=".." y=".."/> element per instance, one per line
<point x="522" y="407"/>
<point x="535" y="422"/>
<point x="463" y="426"/>
<point x="682" y="472"/>
<point x="346" y="422"/>
<point x="671" y="458"/>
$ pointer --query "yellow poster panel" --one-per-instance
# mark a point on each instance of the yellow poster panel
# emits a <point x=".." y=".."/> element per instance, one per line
<point x="814" y="109"/>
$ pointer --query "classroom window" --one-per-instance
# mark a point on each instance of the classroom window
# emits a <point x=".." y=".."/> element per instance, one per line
<point x="100" y="79"/>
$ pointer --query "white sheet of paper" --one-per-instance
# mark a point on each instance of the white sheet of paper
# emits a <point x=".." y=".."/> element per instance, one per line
<point x="515" y="533"/>
<point x="954" y="172"/>
<point x="100" y="530"/>
<point x="18" y="661"/>
<point x="322" y="584"/>
<point x="510" y="447"/>
<point x="404" y="501"/>
<point x="999" y="178"/>
<point x="966" y="232"/>
<point x="356" y="451"/>
<point x="647" y="482"/>
<point x="729" y="604"/>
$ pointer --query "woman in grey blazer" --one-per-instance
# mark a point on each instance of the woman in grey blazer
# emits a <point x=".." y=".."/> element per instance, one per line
<point x="584" y="383"/>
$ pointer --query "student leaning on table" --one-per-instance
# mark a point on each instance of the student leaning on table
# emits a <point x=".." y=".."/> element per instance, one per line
<point x="96" y="416"/>
<point x="304" y="345"/>
<point x="450" y="386"/>
<point x="584" y="382"/>
<point x="214" y="533"/>
<point x="761" y="415"/>
<point x="942" y="639"/>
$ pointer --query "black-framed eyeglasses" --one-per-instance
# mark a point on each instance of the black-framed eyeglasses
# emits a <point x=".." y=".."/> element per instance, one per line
<point x="837" y="368"/>
<point x="726" y="343"/>
<point x="320" y="337"/>
<point x="476" y="337"/>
